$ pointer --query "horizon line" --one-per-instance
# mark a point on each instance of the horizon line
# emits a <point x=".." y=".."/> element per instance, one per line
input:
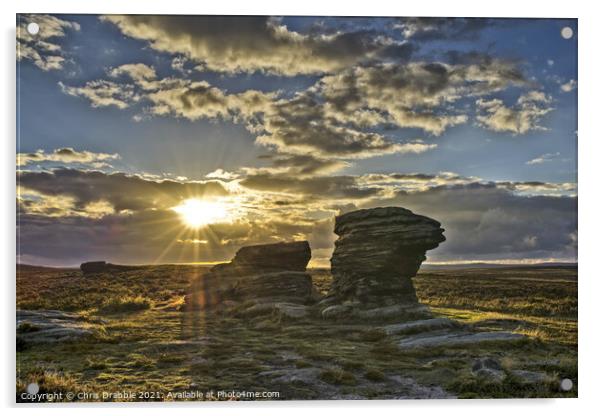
<point x="497" y="262"/>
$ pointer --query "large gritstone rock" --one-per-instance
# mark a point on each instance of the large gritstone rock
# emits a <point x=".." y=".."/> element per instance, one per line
<point x="378" y="252"/>
<point x="264" y="273"/>
<point x="281" y="256"/>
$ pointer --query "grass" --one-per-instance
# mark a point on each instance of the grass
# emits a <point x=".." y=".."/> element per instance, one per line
<point x="125" y="304"/>
<point x="70" y="290"/>
<point x="542" y="292"/>
<point x="375" y="375"/>
<point x="338" y="377"/>
<point x="48" y="381"/>
<point x="148" y="345"/>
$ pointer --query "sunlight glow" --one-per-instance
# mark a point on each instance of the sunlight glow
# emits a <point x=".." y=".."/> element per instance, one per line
<point x="196" y="212"/>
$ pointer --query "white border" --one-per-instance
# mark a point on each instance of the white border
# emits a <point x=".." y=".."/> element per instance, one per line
<point x="590" y="371"/>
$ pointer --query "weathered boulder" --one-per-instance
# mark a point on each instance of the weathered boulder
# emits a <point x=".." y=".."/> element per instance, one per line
<point x="292" y="256"/>
<point x="266" y="273"/>
<point x="377" y="253"/>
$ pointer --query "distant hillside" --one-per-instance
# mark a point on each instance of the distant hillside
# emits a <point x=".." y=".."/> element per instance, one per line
<point x="32" y="268"/>
<point x="456" y="266"/>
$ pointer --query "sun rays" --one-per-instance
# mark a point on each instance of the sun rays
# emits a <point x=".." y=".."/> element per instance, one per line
<point x="196" y="213"/>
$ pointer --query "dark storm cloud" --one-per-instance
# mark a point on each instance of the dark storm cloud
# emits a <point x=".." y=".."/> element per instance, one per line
<point x="490" y="221"/>
<point x="122" y="191"/>
<point x="258" y="43"/>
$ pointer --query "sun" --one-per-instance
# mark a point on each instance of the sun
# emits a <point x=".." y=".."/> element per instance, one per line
<point x="196" y="212"/>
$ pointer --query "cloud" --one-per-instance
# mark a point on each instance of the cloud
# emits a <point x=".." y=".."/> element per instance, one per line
<point x="122" y="191"/>
<point x="179" y="64"/>
<point x="412" y="182"/>
<point x="442" y="28"/>
<point x="197" y="100"/>
<point x="534" y="188"/>
<point x="342" y="116"/>
<point x="141" y="74"/>
<point x="521" y="118"/>
<point x="568" y="86"/>
<point x="546" y="157"/>
<point x="319" y="186"/>
<point x="42" y="48"/>
<point x="415" y="94"/>
<point x="301" y="125"/>
<point x="303" y="165"/>
<point x="293" y="127"/>
<point x="221" y="174"/>
<point x="103" y="93"/>
<point x="257" y="43"/>
<point x="176" y="97"/>
<point x="64" y="155"/>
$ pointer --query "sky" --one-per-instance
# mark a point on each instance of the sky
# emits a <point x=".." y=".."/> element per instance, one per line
<point x="162" y="139"/>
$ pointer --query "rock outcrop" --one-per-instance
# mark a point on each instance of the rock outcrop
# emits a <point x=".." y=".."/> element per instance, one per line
<point x="48" y="326"/>
<point x="92" y="267"/>
<point x="377" y="253"/>
<point x="268" y="273"/>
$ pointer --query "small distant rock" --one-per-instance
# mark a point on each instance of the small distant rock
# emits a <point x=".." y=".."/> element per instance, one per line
<point x="92" y="267"/>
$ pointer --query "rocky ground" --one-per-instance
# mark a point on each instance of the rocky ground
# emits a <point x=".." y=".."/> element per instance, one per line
<point x="130" y="335"/>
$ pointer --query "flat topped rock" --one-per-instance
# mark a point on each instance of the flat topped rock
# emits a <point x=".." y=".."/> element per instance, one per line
<point x="292" y="256"/>
<point x="390" y="224"/>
